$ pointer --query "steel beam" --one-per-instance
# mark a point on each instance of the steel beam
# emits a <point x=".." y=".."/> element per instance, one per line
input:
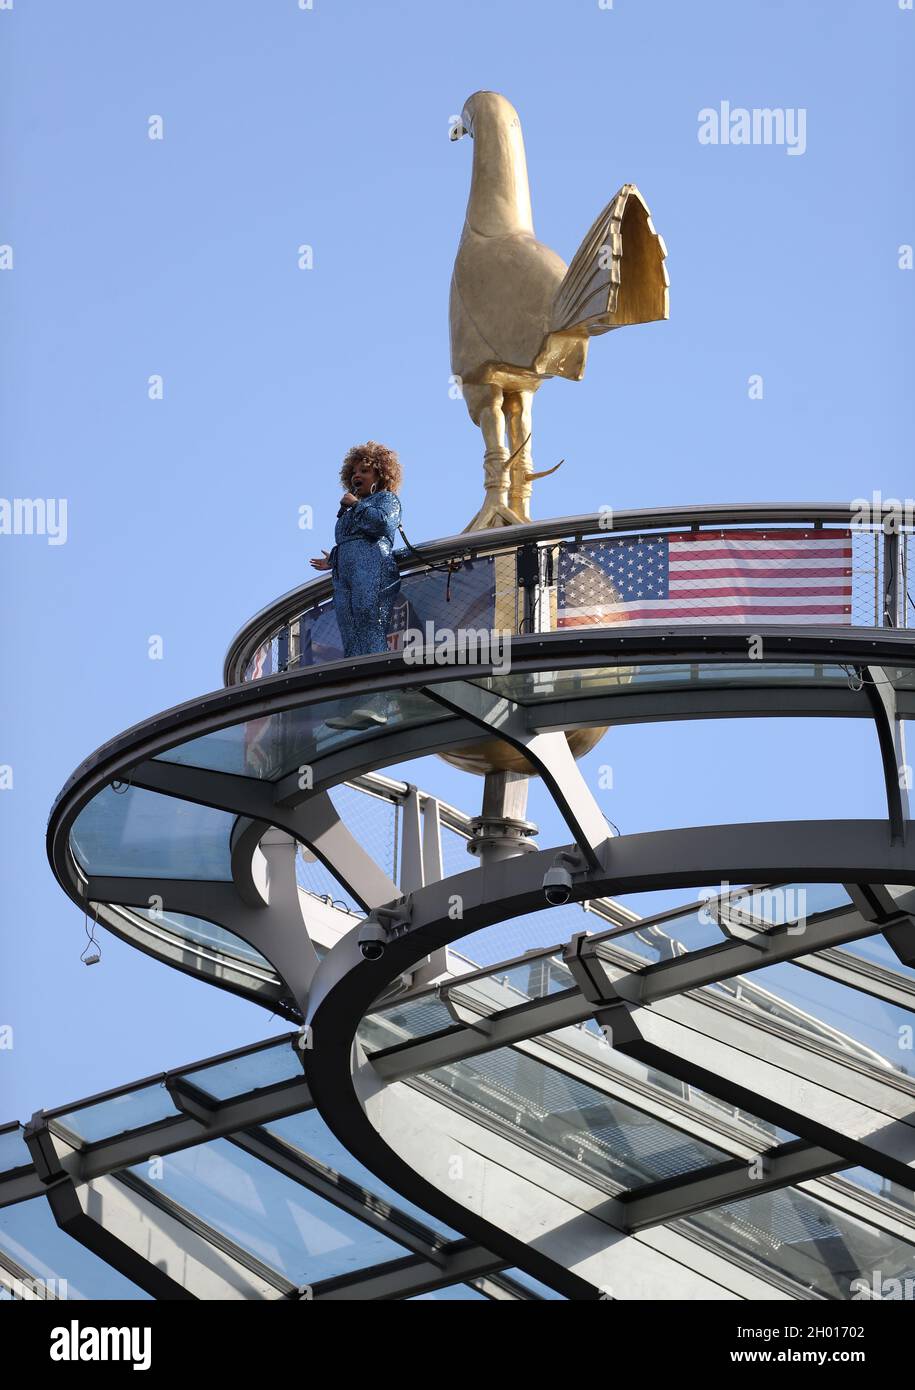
<point x="549" y="754"/>
<point x="881" y="694"/>
<point x="408" y="1277"/>
<point x="821" y="1100"/>
<point x="720" y="1183"/>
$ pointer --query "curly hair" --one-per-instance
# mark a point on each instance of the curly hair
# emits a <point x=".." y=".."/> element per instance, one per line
<point x="384" y="461"/>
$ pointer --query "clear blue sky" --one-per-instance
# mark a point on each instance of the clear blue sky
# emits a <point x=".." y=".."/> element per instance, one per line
<point x="329" y="127"/>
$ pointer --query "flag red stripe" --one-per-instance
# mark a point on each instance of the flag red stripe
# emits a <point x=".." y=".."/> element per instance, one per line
<point x="633" y="613"/>
<point x="764" y="590"/>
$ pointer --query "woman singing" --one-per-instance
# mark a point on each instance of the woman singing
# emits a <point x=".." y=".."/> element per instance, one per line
<point x="365" y="574"/>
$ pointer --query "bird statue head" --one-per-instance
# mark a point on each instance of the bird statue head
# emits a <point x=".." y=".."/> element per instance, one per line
<point x="500" y="199"/>
<point x="490" y="105"/>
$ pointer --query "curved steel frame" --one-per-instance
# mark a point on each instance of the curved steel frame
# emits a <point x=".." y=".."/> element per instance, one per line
<point x="346" y="985"/>
<point x="568" y="650"/>
<point x="334" y="996"/>
<point x="309" y="816"/>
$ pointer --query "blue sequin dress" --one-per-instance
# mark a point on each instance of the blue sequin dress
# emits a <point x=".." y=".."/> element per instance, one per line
<point x="365" y="574"/>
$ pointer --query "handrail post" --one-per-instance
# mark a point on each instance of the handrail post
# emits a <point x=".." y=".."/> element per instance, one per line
<point x="891" y="556"/>
<point x="282" y="649"/>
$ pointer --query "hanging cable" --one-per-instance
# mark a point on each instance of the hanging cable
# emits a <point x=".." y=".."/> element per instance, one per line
<point x="91" y="953"/>
<point x="857" y="680"/>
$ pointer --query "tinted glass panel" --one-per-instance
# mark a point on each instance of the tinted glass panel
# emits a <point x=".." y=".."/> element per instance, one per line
<point x="277" y="744"/>
<point x="202" y="933"/>
<point x="811" y="1242"/>
<point x="30" y="1236"/>
<point x="13" y="1151"/>
<point x="308" y="1132"/>
<point x="286" y="1226"/>
<point x="266" y="1067"/>
<point x="117" y="1114"/>
<point x="139" y="834"/>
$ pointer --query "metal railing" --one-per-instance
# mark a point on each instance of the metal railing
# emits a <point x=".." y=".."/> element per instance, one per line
<point x="508" y="576"/>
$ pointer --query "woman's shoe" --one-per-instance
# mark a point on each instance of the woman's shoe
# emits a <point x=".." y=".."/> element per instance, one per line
<point x="358" y="719"/>
<point x="371" y="716"/>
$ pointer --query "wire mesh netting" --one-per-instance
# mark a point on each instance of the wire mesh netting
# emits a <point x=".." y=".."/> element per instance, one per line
<point x="592" y="586"/>
<point x="456" y="858"/>
<point x="867" y="578"/>
<point x="374" y="822"/>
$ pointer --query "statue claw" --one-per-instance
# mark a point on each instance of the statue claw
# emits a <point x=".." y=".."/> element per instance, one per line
<point x="531" y="477"/>
<point x="494" y="513"/>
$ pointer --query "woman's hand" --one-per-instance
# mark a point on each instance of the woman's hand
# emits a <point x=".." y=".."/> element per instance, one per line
<point x="321" y="564"/>
<point x="348" y="500"/>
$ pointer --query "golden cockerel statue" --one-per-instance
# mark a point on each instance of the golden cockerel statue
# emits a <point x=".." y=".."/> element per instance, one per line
<point x="519" y="314"/>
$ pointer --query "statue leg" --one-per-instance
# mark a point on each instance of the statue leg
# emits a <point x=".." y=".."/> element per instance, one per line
<point x="485" y="406"/>
<point x="519" y="413"/>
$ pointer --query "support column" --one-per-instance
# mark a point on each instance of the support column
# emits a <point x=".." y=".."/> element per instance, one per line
<point x="501" y="830"/>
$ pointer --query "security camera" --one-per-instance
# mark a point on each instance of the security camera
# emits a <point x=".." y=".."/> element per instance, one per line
<point x="372" y="940"/>
<point x="557" y="881"/>
<point x="557" y="885"/>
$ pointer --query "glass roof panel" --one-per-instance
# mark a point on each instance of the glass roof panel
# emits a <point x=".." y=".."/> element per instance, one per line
<point x="308" y="1133"/>
<point x="533" y="687"/>
<point x="535" y="1286"/>
<point x="415" y="1018"/>
<point x="536" y="978"/>
<point x="14" y="1151"/>
<point x="813" y="1243"/>
<point x="676" y="936"/>
<point x="583" y="1127"/>
<point x="507" y="987"/>
<point x="877" y="951"/>
<point x="889" y="1195"/>
<point x="117" y="1114"/>
<point x="30" y="1236"/>
<point x="696" y="927"/>
<point x="268" y="1066"/>
<point x="282" y="1223"/>
<point x="840" y="1017"/>
<point x="136" y="833"/>
<point x="202" y="933"/>
<point x="276" y="744"/>
<point x="779" y="903"/>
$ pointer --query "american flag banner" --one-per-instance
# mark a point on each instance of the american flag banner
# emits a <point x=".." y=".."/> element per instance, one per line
<point x="783" y="576"/>
<point x="261" y="663"/>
